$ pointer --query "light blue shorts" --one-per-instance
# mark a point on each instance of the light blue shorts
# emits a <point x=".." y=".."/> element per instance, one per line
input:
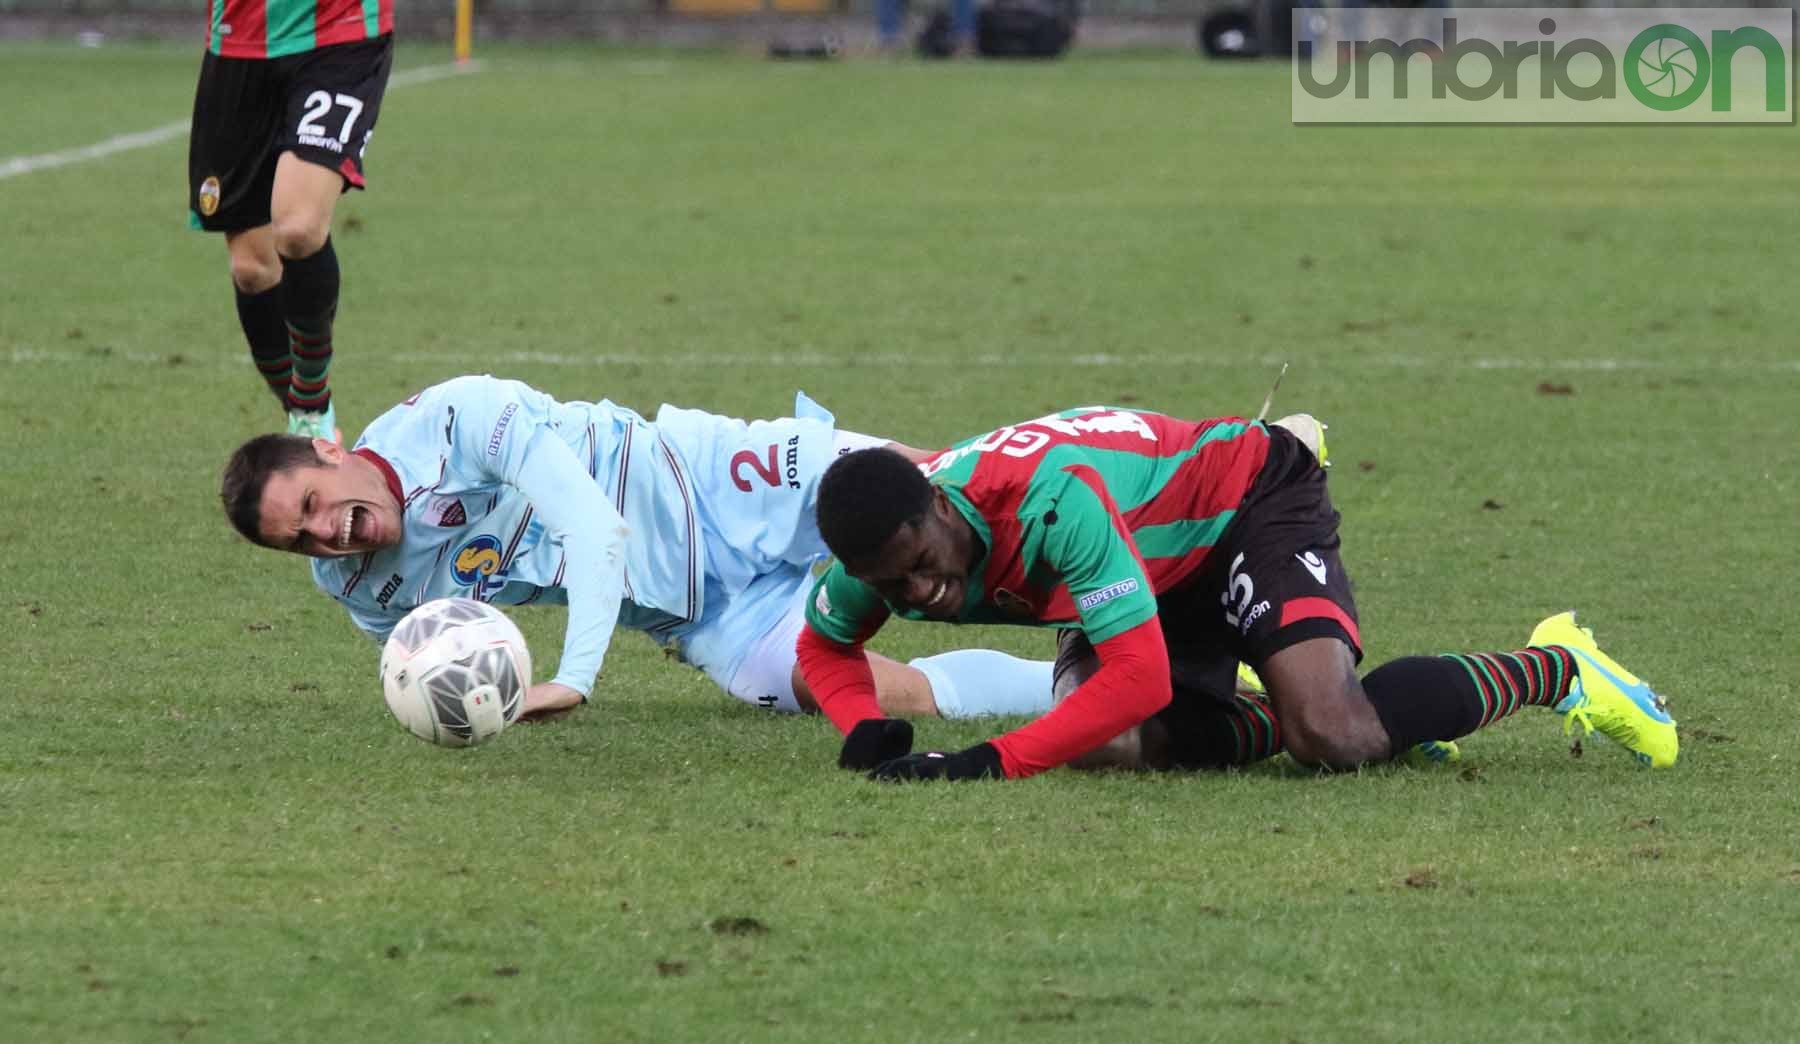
<point x="746" y="644"/>
<point x="745" y="641"/>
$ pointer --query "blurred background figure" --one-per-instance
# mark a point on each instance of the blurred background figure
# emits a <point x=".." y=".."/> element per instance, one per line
<point x="947" y="30"/>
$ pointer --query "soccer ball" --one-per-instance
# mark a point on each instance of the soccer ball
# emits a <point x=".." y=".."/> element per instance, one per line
<point x="454" y="672"/>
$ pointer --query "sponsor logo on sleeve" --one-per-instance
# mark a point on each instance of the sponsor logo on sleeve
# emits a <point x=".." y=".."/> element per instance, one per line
<point x="506" y="416"/>
<point x="822" y="602"/>
<point x="1107" y="594"/>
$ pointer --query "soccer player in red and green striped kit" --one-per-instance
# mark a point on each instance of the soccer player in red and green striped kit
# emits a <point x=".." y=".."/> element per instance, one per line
<point x="1167" y="551"/>
<point x="288" y="95"/>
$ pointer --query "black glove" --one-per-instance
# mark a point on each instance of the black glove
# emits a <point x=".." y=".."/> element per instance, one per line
<point x="982" y="761"/>
<point x="875" y="740"/>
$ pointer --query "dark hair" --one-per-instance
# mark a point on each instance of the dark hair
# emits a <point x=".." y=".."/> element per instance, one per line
<point x="248" y="471"/>
<point x="865" y="497"/>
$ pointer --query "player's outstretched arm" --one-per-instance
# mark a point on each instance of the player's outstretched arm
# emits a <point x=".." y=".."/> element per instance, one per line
<point x="593" y="536"/>
<point x="1131" y="685"/>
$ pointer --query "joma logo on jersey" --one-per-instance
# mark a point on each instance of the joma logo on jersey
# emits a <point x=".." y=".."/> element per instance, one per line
<point x="1107" y="593"/>
<point x="388" y="589"/>
<point x="476" y="560"/>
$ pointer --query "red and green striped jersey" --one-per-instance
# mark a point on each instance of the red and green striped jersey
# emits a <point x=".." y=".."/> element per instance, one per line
<point x="1086" y="516"/>
<point x="274" y="28"/>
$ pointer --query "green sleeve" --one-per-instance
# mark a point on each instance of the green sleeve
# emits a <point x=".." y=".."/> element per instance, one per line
<point x="1089" y="548"/>
<point x="843" y="608"/>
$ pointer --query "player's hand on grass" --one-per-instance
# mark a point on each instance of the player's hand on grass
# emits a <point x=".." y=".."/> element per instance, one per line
<point x="982" y="761"/>
<point x="546" y="701"/>
<point x="875" y="740"/>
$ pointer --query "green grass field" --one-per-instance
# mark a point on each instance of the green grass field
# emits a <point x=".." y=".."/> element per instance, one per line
<point x="1561" y="371"/>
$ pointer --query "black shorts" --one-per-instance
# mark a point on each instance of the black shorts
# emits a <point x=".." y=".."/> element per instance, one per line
<point x="1273" y="580"/>
<point x="320" y="105"/>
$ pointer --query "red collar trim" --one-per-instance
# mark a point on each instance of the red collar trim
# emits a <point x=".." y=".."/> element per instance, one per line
<point x="387" y="472"/>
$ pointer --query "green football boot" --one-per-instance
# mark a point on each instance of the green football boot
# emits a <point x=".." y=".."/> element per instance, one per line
<point x="315" y="425"/>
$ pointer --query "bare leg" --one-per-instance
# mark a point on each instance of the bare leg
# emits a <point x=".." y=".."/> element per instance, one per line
<point x="1326" y="719"/>
<point x="302" y="204"/>
<point x="255" y="267"/>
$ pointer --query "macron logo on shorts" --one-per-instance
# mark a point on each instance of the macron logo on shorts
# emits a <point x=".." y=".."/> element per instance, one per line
<point x="506" y="416"/>
<point x="1107" y="594"/>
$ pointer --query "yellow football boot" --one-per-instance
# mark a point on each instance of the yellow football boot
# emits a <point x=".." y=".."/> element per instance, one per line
<point x="1609" y="699"/>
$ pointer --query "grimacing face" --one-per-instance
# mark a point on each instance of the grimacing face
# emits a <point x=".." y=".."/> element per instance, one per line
<point x="924" y="567"/>
<point x="340" y="507"/>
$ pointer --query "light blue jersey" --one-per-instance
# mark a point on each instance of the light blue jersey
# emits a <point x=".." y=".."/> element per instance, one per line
<point x="511" y="497"/>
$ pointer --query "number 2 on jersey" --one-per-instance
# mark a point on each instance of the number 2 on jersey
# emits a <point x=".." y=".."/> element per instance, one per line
<point x="769" y="472"/>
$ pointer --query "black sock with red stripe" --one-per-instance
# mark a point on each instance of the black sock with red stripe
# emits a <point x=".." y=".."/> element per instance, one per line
<point x="309" y="297"/>
<point x="1422" y="698"/>
<point x="1219" y="736"/>
<point x="266" y="331"/>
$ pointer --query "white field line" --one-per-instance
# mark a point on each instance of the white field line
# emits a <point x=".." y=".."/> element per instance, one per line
<point x="497" y="362"/>
<point x="18" y="165"/>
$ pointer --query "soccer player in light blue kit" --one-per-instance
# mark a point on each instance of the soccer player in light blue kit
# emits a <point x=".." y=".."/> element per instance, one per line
<point x="694" y="528"/>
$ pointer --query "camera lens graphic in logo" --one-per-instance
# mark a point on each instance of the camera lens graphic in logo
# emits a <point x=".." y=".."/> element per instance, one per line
<point x="1666" y="67"/>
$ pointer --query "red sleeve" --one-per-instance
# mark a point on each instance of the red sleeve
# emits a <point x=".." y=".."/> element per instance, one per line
<point x="840" y="678"/>
<point x="1131" y="685"/>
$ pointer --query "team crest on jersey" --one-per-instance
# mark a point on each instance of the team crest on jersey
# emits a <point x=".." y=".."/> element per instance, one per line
<point x="446" y="511"/>
<point x="209" y="196"/>
<point x="1012" y="604"/>
<point x="476" y="560"/>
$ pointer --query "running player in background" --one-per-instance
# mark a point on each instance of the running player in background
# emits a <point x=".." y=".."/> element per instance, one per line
<point x="288" y="95"/>
<point x="695" y="529"/>
<point x="1168" y="550"/>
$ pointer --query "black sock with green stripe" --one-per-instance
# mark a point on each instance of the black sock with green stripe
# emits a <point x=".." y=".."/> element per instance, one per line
<point x="266" y="331"/>
<point x="309" y="297"/>
<point x="1422" y="698"/>
<point x="1216" y="736"/>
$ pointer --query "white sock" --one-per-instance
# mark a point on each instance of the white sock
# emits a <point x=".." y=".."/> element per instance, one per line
<point x="971" y="683"/>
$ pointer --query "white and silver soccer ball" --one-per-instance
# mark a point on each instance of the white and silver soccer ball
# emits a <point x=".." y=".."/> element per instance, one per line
<point x="455" y="672"/>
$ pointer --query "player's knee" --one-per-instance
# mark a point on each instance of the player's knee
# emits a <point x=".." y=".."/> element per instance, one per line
<point x="254" y="274"/>
<point x="1322" y="750"/>
<point x="1333" y="733"/>
<point x="300" y="235"/>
